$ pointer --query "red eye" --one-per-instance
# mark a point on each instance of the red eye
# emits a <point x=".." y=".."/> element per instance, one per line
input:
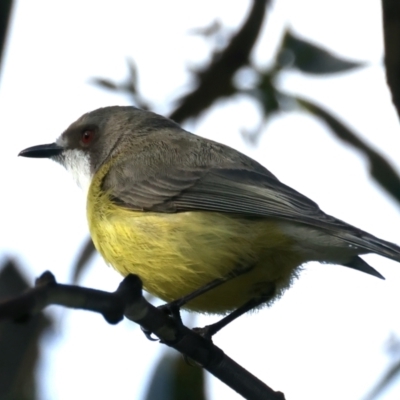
<point x="87" y="136"/>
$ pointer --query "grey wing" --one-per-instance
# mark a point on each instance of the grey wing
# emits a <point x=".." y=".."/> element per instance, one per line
<point x="243" y="192"/>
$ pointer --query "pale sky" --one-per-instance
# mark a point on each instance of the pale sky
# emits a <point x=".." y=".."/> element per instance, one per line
<point x="326" y="337"/>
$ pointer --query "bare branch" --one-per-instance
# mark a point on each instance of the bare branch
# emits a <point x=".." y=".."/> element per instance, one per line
<point x="128" y="301"/>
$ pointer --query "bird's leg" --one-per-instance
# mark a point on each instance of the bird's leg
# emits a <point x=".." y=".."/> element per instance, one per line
<point x="210" y="330"/>
<point x="177" y="304"/>
<point x="173" y="307"/>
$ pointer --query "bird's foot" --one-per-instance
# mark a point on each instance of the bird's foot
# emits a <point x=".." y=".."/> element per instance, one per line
<point x="172" y="309"/>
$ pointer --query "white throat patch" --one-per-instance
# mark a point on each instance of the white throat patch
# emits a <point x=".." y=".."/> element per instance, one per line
<point x="77" y="162"/>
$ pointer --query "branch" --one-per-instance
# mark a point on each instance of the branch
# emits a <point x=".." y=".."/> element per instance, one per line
<point x="5" y="13"/>
<point x="391" y="31"/>
<point x="128" y="301"/>
<point x="216" y="80"/>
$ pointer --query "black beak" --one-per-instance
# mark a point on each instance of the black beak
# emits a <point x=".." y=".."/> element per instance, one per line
<point x="42" y="151"/>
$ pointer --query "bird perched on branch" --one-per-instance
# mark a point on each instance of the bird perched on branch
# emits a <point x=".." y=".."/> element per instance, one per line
<point x="202" y="224"/>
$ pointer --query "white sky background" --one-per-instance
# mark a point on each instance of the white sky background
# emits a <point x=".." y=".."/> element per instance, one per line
<point x="325" y="338"/>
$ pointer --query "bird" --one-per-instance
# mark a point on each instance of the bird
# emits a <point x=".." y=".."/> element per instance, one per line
<point x="195" y="219"/>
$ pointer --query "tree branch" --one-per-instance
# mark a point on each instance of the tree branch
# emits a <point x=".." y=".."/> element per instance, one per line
<point x="5" y="13"/>
<point x="216" y="81"/>
<point x="128" y="301"/>
<point x="391" y="33"/>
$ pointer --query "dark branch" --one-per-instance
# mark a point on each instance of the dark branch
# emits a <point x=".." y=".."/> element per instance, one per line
<point x="5" y="13"/>
<point x="391" y="33"/>
<point x="128" y="301"/>
<point x="216" y="80"/>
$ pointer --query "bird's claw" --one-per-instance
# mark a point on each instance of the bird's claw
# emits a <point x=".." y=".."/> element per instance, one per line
<point x="149" y="335"/>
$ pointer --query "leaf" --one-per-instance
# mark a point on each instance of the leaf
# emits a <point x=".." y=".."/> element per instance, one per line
<point x="104" y="83"/>
<point x="268" y="93"/>
<point x="380" y="169"/>
<point x="271" y="100"/>
<point x="210" y="30"/>
<point x="311" y="58"/>
<point x="175" y="379"/>
<point x="87" y="252"/>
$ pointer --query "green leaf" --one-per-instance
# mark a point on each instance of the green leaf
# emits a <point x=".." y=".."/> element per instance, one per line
<point x="310" y="58"/>
<point x="176" y="379"/>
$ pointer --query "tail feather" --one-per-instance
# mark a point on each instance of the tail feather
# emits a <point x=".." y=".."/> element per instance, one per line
<point x="360" y="265"/>
<point x="372" y="244"/>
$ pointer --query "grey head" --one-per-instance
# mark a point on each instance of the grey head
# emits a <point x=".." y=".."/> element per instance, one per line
<point x="96" y="136"/>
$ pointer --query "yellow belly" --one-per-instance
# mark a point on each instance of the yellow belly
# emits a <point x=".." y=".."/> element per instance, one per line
<point x="175" y="254"/>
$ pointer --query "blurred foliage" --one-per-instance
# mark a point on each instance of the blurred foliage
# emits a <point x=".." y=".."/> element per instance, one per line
<point x="293" y="54"/>
<point x="175" y="379"/>
<point x="380" y="169"/>
<point x="309" y="58"/>
<point x="393" y="371"/>
<point x="129" y="86"/>
<point x="84" y="256"/>
<point x="19" y="342"/>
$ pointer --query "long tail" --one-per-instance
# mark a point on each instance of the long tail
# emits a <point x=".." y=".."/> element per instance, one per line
<point x="372" y="244"/>
<point x="368" y="243"/>
<point x="360" y="265"/>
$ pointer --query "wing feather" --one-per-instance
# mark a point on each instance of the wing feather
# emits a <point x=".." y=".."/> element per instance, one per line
<point x="243" y="192"/>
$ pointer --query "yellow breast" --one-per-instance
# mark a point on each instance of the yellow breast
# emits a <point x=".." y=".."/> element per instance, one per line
<point x="175" y="254"/>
